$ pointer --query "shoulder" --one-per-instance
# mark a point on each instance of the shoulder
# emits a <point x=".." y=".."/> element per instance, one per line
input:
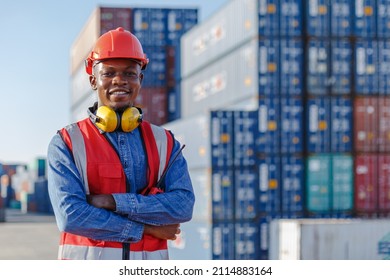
<point x="147" y="127"/>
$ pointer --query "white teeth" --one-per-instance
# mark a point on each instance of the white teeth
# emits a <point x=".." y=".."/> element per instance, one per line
<point x="119" y="93"/>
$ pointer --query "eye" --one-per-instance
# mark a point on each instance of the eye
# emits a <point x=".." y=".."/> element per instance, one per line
<point x="108" y="74"/>
<point x="131" y="75"/>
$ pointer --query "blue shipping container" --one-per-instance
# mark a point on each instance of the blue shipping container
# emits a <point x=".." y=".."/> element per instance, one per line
<point x="292" y="189"/>
<point x="341" y="125"/>
<point x="383" y="18"/>
<point x="318" y="125"/>
<point x="291" y="123"/>
<point x="269" y="185"/>
<point x="247" y="241"/>
<point x="365" y="18"/>
<point x="221" y="136"/>
<point x="222" y="191"/>
<point x="41" y="196"/>
<point x="245" y="134"/>
<point x="150" y="26"/>
<point x="246" y="182"/>
<point x="174" y="108"/>
<point x="268" y="67"/>
<point x="291" y="18"/>
<point x="341" y="67"/>
<point x="366" y="67"/>
<point x="318" y="66"/>
<point x="268" y="18"/>
<point x="384" y="66"/>
<point x="269" y="129"/>
<point x="155" y="73"/>
<point x="264" y="231"/>
<point x="317" y="18"/>
<point x="291" y="67"/>
<point x="177" y="58"/>
<point x="179" y="21"/>
<point x="223" y="241"/>
<point x="341" y="19"/>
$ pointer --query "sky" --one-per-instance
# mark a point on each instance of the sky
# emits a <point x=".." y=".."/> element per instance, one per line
<point x="35" y="41"/>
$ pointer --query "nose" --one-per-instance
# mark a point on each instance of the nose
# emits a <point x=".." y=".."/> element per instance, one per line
<point x="119" y="79"/>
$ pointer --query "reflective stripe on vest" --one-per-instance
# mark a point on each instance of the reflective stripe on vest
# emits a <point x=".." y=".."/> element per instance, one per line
<point x="76" y="252"/>
<point x="79" y="153"/>
<point x="161" y="147"/>
<point x="79" y="247"/>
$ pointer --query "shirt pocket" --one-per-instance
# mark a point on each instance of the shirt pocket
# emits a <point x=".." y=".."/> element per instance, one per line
<point x="110" y="179"/>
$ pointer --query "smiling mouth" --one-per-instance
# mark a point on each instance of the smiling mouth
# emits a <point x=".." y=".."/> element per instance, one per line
<point x="119" y="93"/>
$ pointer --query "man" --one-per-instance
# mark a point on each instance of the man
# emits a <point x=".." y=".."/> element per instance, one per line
<point x="103" y="170"/>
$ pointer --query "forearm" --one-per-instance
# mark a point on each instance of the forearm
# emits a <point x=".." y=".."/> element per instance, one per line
<point x="106" y="201"/>
<point x="159" y="209"/>
<point x="163" y="232"/>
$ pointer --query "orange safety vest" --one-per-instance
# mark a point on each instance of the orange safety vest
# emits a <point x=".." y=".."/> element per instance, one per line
<point x="102" y="173"/>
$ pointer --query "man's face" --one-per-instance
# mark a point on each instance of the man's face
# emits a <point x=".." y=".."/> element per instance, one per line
<point x="117" y="82"/>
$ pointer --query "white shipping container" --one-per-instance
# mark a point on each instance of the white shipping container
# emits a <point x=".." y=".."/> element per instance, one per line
<point x="80" y="110"/>
<point x="194" y="132"/>
<point x="201" y="182"/>
<point x="230" y="80"/>
<point x="81" y="88"/>
<point x="329" y="239"/>
<point x="249" y="104"/>
<point x="85" y="41"/>
<point x="231" y="26"/>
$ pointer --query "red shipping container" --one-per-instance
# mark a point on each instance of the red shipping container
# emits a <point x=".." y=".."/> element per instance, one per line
<point x="170" y="74"/>
<point x="366" y="124"/>
<point x="366" y="184"/>
<point x="384" y="184"/>
<point x="384" y="124"/>
<point x="154" y="104"/>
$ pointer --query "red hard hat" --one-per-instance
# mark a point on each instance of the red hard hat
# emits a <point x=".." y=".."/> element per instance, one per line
<point x="118" y="43"/>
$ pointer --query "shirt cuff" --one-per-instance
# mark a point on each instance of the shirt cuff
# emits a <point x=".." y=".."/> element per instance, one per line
<point x="133" y="232"/>
<point x="125" y="203"/>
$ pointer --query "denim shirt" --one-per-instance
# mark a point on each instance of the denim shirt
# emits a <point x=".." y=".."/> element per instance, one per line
<point x="74" y="215"/>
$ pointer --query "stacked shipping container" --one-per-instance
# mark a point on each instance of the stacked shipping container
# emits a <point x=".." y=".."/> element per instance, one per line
<point x="25" y="187"/>
<point x="305" y="78"/>
<point x="159" y="31"/>
<point x="329" y="163"/>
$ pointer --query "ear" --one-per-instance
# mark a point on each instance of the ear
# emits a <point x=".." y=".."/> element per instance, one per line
<point x="141" y="78"/>
<point x="92" y="81"/>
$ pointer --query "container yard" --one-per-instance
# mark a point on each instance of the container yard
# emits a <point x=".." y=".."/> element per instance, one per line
<point x="292" y="92"/>
<point x="284" y="108"/>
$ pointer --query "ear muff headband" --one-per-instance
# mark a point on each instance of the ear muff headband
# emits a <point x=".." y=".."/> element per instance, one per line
<point x="108" y="120"/>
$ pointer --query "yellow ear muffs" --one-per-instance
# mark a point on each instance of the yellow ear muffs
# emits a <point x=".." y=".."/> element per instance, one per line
<point x="108" y="120"/>
<point x="131" y="118"/>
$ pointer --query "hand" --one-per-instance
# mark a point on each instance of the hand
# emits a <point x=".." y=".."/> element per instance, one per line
<point x="167" y="232"/>
<point x="105" y="201"/>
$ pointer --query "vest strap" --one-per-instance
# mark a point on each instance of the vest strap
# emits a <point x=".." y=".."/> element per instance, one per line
<point x="75" y="141"/>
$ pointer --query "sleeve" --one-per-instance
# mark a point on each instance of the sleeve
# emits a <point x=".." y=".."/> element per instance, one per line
<point x="173" y="206"/>
<point x="73" y="213"/>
